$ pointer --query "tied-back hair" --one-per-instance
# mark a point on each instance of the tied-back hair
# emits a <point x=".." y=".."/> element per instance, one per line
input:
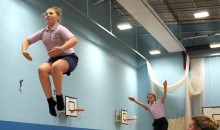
<point x="153" y="96"/>
<point x="58" y="11"/>
<point x="205" y="123"/>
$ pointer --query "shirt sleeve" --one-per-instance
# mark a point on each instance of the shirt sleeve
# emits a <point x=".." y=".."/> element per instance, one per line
<point x="148" y="106"/>
<point x="160" y="101"/>
<point x="35" y="37"/>
<point x="65" y="33"/>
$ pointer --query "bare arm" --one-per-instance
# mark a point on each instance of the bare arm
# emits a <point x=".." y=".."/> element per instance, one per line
<point x="25" y="45"/>
<point x="165" y="91"/>
<point x="60" y="49"/>
<point x="137" y="102"/>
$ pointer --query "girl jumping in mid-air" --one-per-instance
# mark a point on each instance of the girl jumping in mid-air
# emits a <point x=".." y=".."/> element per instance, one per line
<point x="155" y="107"/>
<point x="59" y="42"/>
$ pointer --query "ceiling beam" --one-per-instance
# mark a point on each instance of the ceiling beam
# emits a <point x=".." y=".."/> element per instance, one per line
<point x="148" y="18"/>
<point x="171" y="11"/>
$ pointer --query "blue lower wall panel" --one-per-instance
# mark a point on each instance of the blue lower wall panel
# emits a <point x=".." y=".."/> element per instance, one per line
<point x="9" y="125"/>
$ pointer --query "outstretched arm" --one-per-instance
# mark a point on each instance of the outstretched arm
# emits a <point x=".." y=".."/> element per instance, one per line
<point x="137" y="102"/>
<point x="165" y="91"/>
<point x="25" y="45"/>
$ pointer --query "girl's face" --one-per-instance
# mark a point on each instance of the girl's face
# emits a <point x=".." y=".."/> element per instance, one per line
<point x="51" y="17"/>
<point x="151" y="98"/>
<point x="192" y="126"/>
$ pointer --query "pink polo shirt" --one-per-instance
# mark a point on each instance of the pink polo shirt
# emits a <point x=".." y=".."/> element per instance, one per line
<point x="55" y="36"/>
<point x="156" y="109"/>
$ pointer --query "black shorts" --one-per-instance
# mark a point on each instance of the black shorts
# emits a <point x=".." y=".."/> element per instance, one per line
<point x="72" y="60"/>
<point x="160" y="124"/>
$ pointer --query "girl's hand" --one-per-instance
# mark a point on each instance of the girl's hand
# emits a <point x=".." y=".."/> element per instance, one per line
<point x="27" y="55"/>
<point x="165" y="91"/>
<point x="165" y="83"/>
<point x="131" y="98"/>
<point x="55" y="51"/>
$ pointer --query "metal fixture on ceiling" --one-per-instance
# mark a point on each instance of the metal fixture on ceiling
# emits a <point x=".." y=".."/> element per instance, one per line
<point x="125" y="13"/>
<point x="145" y="15"/>
<point x="201" y="36"/>
<point x="181" y="12"/>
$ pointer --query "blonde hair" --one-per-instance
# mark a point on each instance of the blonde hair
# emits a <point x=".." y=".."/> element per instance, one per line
<point x="58" y="11"/>
<point x="205" y="123"/>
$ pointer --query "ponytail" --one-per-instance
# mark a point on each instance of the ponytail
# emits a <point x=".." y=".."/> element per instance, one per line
<point x="205" y="123"/>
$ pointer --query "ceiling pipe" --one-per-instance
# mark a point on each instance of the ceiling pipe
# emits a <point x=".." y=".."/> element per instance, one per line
<point x="208" y="35"/>
<point x="196" y="37"/>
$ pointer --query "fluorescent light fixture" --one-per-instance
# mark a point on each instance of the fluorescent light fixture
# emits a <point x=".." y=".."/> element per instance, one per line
<point x="124" y="26"/>
<point x="216" y="54"/>
<point x="154" y="52"/>
<point x="201" y="14"/>
<point x="214" y="45"/>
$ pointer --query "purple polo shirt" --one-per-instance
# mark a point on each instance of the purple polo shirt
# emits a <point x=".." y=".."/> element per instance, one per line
<point x="156" y="109"/>
<point x="55" y="36"/>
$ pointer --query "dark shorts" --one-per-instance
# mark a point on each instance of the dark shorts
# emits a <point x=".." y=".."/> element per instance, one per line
<point x="160" y="124"/>
<point x="72" y="60"/>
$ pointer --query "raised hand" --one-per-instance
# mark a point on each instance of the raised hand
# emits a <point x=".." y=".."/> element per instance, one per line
<point x="165" y="91"/>
<point x="165" y="83"/>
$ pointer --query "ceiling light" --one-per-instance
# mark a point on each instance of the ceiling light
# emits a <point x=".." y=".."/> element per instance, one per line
<point x="216" y="54"/>
<point x="154" y="52"/>
<point x="124" y="26"/>
<point x="201" y="14"/>
<point x="214" y="45"/>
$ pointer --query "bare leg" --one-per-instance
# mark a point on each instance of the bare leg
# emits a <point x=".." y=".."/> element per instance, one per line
<point x="44" y="71"/>
<point x="58" y="68"/>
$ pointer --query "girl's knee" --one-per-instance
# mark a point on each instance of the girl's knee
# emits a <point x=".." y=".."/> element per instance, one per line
<point x="55" y="67"/>
<point x="43" y="70"/>
<point x="59" y="67"/>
